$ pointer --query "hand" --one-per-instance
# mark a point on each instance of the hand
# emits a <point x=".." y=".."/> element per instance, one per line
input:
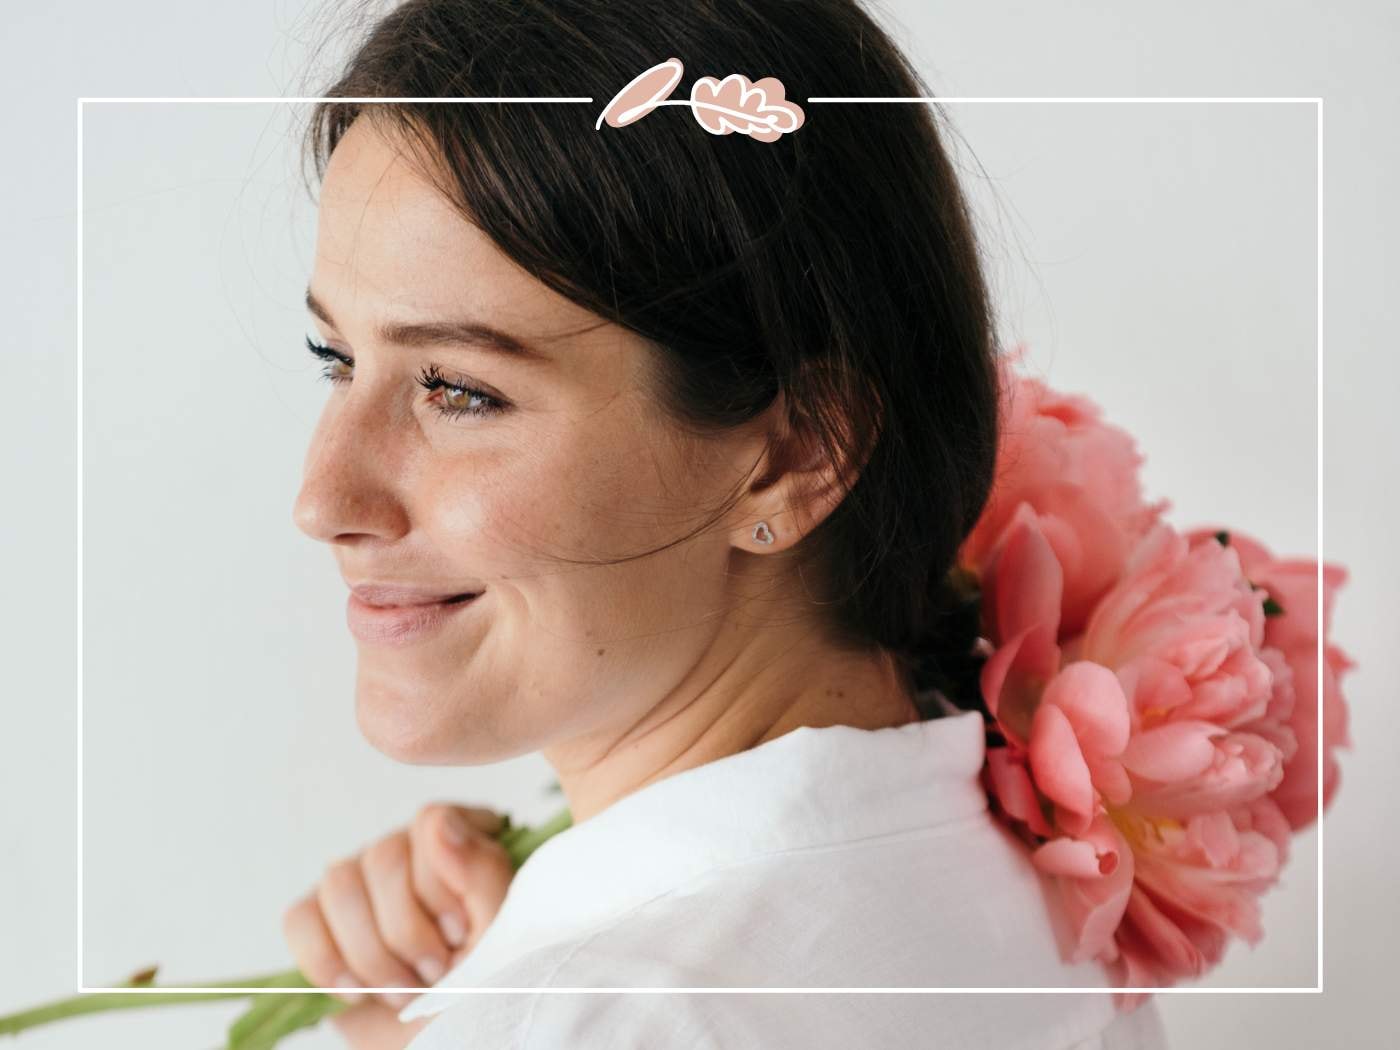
<point x="400" y="914"/>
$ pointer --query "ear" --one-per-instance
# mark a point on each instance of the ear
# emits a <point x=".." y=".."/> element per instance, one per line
<point x="796" y="484"/>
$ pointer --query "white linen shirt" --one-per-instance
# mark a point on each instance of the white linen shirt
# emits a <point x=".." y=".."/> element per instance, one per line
<point x="830" y="857"/>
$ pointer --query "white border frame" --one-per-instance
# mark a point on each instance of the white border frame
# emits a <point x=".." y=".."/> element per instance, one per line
<point x="1315" y="101"/>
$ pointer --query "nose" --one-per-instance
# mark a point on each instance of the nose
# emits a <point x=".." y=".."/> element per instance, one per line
<point x="349" y="479"/>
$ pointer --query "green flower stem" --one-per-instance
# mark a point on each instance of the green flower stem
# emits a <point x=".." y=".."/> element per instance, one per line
<point x="95" y="1002"/>
<point x="520" y="842"/>
<point x="270" y="1017"/>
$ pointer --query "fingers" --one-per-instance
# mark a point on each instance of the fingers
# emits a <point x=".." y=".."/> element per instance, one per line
<point x="405" y="927"/>
<point x="373" y="1026"/>
<point x="435" y="833"/>
<point x="407" y="909"/>
<point x="313" y="948"/>
<point x="346" y="907"/>
<point x="466" y="858"/>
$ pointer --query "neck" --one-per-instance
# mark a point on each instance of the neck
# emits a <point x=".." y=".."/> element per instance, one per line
<point x="737" y="697"/>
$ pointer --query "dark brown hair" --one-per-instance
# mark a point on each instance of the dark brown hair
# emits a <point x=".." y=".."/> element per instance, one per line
<point x="837" y="264"/>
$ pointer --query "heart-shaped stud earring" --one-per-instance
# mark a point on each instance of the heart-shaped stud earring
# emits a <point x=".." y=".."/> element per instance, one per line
<point x="762" y="534"/>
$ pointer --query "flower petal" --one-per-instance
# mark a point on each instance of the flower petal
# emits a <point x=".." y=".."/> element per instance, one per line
<point x="1092" y="699"/>
<point x="1094" y="905"/>
<point x="1057" y="764"/>
<point x="1012" y="787"/>
<point x="1023" y="582"/>
<point x="1173" y="751"/>
<point x="1168" y="942"/>
<point x="1073" y="858"/>
<point x="1014" y="676"/>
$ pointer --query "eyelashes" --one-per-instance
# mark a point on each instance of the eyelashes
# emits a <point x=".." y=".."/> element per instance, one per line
<point x="429" y="378"/>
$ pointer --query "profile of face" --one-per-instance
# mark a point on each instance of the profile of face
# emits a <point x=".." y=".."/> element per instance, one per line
<point x="443" y="462"/>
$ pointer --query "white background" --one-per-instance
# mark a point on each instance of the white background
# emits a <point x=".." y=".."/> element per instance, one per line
<point x="1160" y="258"/>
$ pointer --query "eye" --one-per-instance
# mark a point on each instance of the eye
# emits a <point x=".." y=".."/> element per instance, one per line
<point x="459" y="397"/>
<point x="333" y="358"/>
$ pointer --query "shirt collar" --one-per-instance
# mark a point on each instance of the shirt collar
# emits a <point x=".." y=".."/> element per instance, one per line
<point x="812" y="786"/>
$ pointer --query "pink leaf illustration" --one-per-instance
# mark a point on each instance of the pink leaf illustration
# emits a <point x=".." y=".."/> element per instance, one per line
<point x="734" y="104"/>
<point x="643" y="93"/>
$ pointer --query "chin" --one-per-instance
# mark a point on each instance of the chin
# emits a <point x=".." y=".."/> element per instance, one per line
<point x="394" y="726"/>
<point x="415" y="732"/>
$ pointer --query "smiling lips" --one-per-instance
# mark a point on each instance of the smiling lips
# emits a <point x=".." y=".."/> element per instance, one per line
<point x="386" y="614"/>
<point x="397" y="625"/>
<point x="394" y="596"/>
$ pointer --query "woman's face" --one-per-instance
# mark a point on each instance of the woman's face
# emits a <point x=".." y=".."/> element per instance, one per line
<point x="572" y="459"/>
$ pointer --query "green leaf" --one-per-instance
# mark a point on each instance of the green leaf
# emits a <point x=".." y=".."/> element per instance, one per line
<point x="263" y="1025"/>
<point x="248" y="1022"/>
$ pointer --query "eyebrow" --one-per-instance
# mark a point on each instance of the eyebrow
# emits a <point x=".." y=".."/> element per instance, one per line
<point x="441" y="333"/>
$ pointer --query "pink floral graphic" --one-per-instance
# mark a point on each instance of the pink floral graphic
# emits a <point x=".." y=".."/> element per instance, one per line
<point x="722" y="107"/>
<point x="733" y="104"/>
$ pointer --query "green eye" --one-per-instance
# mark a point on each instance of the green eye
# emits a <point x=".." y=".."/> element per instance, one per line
<point x="458" y="395"/>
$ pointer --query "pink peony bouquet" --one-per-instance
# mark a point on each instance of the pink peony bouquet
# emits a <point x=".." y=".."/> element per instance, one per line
<point x="1150" y="694"/>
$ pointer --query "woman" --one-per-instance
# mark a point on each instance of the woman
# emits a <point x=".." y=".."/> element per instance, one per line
<point x="651" y="449"/>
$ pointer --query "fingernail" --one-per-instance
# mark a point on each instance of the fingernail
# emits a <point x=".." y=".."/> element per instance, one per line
<point x="455" y="828"/>
<point x="452" y="929"/>
<point x="430" y="969"/>
<point x="399" y="999"/>
<point x="346" y="981"/>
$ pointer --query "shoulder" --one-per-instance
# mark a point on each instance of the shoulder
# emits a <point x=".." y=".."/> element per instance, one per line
<point x="957" y="905"/>
<point x="723" y="1020"/>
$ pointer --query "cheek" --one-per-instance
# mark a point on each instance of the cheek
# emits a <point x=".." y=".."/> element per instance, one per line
<point x="583" y="503"/>
<point x="587" y="604"/>
<point x="565" y="639"/>
<point x="456" y="509"/>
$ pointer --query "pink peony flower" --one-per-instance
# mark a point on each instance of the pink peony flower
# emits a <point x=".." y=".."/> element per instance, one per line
<point x="1140" y="754"/>
<point x="1291" y="638"/>
<point x="1197" y="882"/>
<point x="1065" y="728"/>
<point x="1078" y="474"/>
<point x="1152" y="696"/>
